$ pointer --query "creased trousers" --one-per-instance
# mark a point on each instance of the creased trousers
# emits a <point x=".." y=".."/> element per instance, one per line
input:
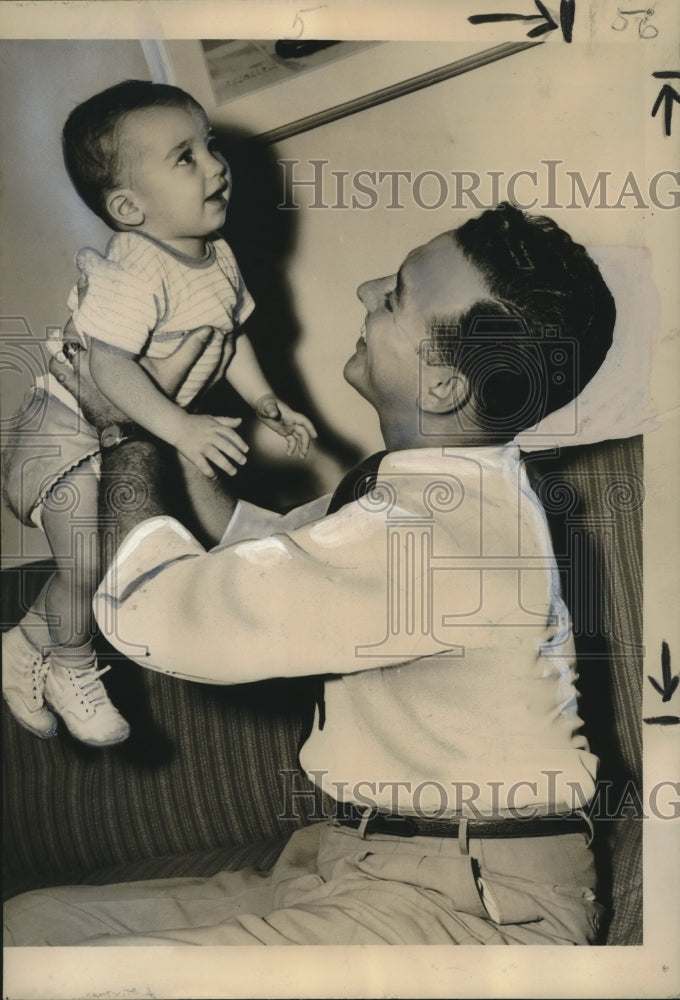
<point x="330" y="886"/>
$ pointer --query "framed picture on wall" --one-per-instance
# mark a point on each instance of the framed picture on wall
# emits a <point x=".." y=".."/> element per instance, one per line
<point x="275" y="89"/>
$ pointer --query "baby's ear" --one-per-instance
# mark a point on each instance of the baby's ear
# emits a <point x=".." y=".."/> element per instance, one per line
<point x="123" y="209"/>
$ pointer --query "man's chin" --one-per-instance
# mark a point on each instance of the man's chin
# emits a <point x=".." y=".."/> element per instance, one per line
<point x="353" y="374"/>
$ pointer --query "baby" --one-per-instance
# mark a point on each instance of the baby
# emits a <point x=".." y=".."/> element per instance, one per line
<point x="141" y="156"/>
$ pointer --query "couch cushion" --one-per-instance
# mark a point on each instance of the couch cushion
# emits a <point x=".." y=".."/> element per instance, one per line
<point x="260" y="855"/>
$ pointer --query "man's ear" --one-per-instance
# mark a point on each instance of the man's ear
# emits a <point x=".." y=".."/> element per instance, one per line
<point x="123" y="208"/>
<point x="443" y="389"/>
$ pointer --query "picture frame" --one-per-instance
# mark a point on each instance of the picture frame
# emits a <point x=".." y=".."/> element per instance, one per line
<point x="362" y="75"/>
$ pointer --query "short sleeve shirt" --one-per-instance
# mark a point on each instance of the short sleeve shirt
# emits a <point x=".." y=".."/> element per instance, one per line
<point x="143" y="297"/>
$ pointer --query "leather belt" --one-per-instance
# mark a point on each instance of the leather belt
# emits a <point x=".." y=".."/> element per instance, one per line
<point x="467" y="828"/>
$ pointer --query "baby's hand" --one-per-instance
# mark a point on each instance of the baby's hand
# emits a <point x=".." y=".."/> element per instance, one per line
<point x="204" y="439"/>
<point x="297" y="430"/>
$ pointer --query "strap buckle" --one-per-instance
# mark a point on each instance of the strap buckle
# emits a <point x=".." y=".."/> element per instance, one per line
<point x="374" y="821"/>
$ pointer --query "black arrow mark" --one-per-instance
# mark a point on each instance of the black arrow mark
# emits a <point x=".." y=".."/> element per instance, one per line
<point x="666" y="689"/>
<point x="669" y="683"/>
<point x="667" y="96"/>
<point x="567" y="15"/>
<point x="544" y="15"/>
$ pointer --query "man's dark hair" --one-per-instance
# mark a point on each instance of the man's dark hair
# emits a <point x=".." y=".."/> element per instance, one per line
<point x="90" y="139"/>
<point x="532" y="346"/>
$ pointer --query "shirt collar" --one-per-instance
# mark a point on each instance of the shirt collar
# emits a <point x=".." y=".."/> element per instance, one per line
<point x="431" y="459"/>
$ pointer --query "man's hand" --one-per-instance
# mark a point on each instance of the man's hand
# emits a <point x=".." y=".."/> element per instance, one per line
<point x="169" y="373"/>
<point x="71" y="367"/>
<point x="295" y="427"/>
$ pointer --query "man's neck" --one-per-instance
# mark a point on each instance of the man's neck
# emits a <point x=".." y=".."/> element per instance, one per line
<point x="400" y="436"/>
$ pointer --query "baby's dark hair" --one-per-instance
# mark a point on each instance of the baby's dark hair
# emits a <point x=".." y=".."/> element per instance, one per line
<point x="543" y="332"/>
<point x="92" y="154"/>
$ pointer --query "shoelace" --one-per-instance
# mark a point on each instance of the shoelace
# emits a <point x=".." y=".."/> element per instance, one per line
<point x="39" y="668"/>
<point x="88" y="687"/>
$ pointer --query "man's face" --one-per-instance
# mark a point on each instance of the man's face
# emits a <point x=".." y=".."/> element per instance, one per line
<point x="180" y="183"/>
<point x="435" y="280"/>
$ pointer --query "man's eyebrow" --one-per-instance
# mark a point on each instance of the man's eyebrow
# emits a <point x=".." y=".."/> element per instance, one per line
<point x="400" y="290"/>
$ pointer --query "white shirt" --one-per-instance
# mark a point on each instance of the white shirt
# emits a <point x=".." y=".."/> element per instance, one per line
<point x="434" y="600"/>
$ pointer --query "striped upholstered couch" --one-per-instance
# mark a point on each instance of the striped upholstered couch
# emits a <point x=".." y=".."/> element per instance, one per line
<point x="200" y="784"/>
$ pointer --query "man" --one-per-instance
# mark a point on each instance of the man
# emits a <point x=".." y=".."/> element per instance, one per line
<point x="447" y="731"/>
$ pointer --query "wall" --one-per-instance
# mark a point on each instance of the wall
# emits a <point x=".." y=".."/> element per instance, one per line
<point x="481" y="121"/>
<point x="304" y="265"/>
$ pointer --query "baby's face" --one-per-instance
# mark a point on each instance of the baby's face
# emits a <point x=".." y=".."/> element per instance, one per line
<point x="180" y="183"/>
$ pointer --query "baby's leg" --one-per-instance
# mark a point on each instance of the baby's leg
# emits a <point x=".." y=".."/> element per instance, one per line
<point x="69" y="520"/>
<point x="209" y="504"/>
<point x="60" y="618"/>
<point x="73" y="688"/>
<point x="24" y="669"/>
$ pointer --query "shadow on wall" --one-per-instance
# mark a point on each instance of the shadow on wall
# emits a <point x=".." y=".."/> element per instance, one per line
<point x="263" y="238"/>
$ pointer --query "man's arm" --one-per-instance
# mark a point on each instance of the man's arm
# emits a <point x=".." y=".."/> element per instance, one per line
<point x="287" y="605"/>
<point x="131" y="491"/>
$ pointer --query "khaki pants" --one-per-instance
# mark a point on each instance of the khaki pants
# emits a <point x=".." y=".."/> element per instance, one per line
<point x="330" y="886"/>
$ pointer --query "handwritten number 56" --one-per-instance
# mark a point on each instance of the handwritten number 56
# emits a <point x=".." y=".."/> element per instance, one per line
<point x="645" y="30"/>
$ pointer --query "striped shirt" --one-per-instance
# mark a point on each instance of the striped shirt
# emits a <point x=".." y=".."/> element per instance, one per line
<point x="144" y="297"/>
